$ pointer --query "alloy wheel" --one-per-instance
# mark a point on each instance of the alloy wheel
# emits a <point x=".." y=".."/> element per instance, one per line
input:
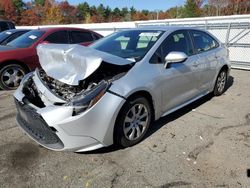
<point x="12" y="76"/>
<point x="136" y="121"/>
<point x="221" y="82"/>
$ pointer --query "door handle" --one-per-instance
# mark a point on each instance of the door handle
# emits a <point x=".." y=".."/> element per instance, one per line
<point x="216" y="57"/>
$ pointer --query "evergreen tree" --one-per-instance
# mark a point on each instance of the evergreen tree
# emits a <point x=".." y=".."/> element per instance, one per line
<point x="101" y="14"/>
<point x="83" y="11"/>
<point x="191" y="9"/>
<point x="39" y="2"/>
<point x="108" y="14"/>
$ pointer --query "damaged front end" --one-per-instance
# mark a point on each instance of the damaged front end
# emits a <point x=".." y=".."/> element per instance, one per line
<point x="74" y="88"/>
<point x="56" y="99"/>
<point x="41" y="90"/>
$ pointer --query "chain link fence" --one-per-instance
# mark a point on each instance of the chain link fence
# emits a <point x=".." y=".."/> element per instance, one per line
<point x="235" y="34"/>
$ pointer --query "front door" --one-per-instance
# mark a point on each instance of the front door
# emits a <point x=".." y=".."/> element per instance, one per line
<point x="180" y="80"/>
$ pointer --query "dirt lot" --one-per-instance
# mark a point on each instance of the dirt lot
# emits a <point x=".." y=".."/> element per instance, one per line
<point x="206" y="144"/>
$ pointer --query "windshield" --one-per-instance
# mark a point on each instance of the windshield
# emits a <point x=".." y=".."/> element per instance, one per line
<point x="4" y="35"/>
<point x="27" y="39"/>
<point x="133" y="44"/>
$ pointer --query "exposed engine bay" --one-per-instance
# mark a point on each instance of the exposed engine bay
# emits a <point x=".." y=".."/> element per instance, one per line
<point x="106" y="72"/>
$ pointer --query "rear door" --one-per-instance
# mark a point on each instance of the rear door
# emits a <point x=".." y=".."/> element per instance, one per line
<point x="179" y="80"/>
<point x="205" y="48"/>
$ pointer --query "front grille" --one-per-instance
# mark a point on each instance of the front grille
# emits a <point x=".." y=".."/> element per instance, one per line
<point x="36" y="127"/>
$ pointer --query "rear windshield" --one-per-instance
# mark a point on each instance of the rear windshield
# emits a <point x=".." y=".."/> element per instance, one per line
<point x="27" y="39"/>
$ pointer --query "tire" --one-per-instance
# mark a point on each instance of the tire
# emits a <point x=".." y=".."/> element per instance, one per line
<point x="11" y="76"/>
<point x="133" y="122"/>
<point x="220" y="84"/>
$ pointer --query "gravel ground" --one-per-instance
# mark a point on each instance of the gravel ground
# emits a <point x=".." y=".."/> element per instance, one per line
<point x="206" y="144"/>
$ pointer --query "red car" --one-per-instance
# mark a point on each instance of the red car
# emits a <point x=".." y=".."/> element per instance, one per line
<point x="19" y="56"/>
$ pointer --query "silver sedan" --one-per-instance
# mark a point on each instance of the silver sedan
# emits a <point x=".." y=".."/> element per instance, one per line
<point x="85" y="98"/>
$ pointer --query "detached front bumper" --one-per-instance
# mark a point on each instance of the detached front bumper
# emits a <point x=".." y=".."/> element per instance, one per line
<point x="55" y="128"/>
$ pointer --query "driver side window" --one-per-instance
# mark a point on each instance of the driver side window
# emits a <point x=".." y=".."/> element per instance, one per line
<point x="178" y="41"/>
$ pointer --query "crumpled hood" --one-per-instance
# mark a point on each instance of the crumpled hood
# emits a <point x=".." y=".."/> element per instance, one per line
<point x="72" y="63"/>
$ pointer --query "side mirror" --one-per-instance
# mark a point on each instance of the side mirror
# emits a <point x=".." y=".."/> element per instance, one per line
<point x="175" y="57"/>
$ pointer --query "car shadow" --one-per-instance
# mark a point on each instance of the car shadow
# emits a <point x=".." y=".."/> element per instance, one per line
<point x="155" y="126"/>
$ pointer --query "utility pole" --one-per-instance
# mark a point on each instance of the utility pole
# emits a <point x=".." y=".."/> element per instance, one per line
<point x="157" y="14"/>
<point x="176" y="11"/>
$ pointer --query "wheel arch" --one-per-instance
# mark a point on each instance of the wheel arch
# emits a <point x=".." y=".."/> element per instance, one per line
<point x="134" y="95"/>
<point x="148" y="96"/>
<point x="224" y="67"/>
<point x="227" y="69"/>
<point x="9" y="62"/>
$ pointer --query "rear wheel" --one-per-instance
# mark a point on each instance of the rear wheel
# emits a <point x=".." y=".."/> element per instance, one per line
<point x="133" y="122"/>
<point x="11" y="76"/>
<point x="220" y="84"/>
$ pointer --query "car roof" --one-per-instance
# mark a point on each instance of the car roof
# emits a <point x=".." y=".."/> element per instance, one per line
<point x="164" y="28"/>
<point x="50" y="29"/>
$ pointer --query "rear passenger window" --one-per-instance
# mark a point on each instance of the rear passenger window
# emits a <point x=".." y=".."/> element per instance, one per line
<point x="79" y="37"/>
<point x="59" y="37"/>
<point x="203" y="42"/>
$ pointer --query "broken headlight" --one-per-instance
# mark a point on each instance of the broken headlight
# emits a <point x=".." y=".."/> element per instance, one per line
<point x="26" y="77"/>
<point x="89" y="98"/>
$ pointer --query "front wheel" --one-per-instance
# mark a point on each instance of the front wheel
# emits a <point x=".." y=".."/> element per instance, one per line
<point x="11" y="76"/>
<point x="133" y="122"/>
<point x="220" y="84"/>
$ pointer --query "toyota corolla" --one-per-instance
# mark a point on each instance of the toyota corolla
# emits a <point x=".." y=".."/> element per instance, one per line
<point x="85" y="98"/>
